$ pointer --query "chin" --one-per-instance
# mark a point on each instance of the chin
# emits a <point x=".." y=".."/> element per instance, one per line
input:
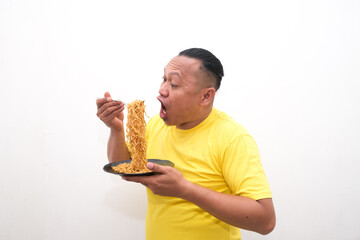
<point x="165" y="119"/>
<point x="167" y="122"/>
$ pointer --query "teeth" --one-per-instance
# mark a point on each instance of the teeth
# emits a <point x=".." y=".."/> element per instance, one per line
<point x="164" y="110"/>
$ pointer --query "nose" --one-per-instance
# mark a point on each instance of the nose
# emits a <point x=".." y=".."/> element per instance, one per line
<point x="163" y="91"/>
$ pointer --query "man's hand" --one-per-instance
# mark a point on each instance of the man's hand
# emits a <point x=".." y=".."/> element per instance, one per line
<point x="110" y="112"/>
<point x="170" y="182"/>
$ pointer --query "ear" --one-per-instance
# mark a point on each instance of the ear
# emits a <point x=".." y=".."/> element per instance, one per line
<point x="207" y="96"/>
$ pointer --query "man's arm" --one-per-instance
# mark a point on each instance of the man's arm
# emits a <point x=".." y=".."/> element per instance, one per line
<point x="117" y="149"/>
<point x="242" y="212"/>
<point x="111" y="113"/>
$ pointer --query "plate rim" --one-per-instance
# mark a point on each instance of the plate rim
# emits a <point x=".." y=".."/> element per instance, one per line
<point x="109" y="165"/>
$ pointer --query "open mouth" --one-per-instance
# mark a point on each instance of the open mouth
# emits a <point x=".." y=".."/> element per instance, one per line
<point x="162" y="111"/>
<point x="163" y="107"/>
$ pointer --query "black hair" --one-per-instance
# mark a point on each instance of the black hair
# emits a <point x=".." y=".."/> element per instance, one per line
<point x="209" y="61"/>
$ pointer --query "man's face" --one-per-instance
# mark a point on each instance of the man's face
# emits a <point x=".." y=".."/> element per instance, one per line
<point x="180" y="92"/>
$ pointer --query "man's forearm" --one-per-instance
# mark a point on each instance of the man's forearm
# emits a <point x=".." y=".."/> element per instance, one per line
<point x="238" y="211"/>
<point x="117" y="149"/>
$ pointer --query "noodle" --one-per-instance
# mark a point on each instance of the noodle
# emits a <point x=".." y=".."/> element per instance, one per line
<point x="136" y="137"/>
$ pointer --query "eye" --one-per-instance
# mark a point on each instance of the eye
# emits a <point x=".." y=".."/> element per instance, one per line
<point x="170" y="82"/>
<point x="163" y="81"/>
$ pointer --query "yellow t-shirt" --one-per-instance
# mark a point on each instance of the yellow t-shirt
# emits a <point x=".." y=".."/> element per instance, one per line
<point x="218" y="154"/>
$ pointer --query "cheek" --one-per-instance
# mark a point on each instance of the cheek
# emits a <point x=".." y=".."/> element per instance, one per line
<point x="184" y="106"/>
<point x="181" y="101"/>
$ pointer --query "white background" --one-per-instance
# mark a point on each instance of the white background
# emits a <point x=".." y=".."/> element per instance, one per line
<point x="292" y="72"/>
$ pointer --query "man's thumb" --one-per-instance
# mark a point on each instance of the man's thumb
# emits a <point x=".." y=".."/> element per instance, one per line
<point x="107" y="94"/>
<point x="154" y="167"/>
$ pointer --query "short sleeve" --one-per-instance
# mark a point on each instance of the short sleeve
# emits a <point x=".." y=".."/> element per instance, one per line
<point x="243" y="171"/>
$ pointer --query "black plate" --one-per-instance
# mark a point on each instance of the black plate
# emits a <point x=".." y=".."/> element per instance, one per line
<point x="108" y="167"/>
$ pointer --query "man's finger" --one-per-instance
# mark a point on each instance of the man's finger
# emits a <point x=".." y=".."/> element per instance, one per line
<point x="132" y="179"/>
<point x="110" y="111"/>
<point x="156" y="167"/>
<point x="105" y="99"/>
<point x="104" y="107"/>
<point x="101" y="101"/>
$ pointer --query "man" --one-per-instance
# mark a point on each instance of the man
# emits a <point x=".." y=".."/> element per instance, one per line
<point x="218" y="184"/>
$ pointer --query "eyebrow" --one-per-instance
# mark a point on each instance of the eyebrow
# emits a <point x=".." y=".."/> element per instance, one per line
<point x="173" y="73"/>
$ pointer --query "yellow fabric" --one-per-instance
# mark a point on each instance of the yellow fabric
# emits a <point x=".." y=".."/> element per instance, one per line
<point x="218" y="154"/>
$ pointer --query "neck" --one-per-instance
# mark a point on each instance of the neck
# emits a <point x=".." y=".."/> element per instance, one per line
<point x="192" y="124"/>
